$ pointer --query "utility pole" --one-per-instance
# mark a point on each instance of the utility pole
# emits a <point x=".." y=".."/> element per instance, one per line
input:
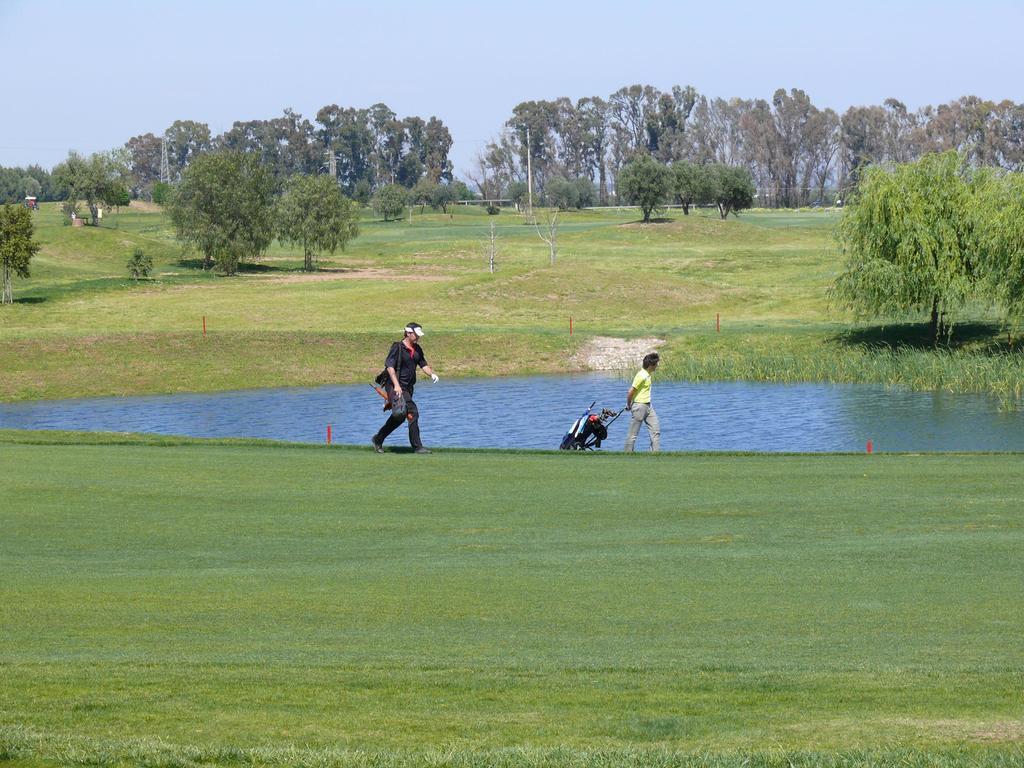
<point x="492" y="249"/>
<point x="529" y="178"/>
<point x="165" y="166"/>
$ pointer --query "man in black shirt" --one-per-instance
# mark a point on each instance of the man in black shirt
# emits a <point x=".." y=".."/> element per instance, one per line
<point x="401" y="363"/>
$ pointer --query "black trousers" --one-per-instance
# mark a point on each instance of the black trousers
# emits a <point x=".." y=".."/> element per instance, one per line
<point x="394" y="422"/>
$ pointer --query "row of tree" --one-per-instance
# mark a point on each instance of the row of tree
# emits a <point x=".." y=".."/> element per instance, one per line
<point x="794" y="151"/>
<point x="18" y="183"/>
<point x="392" y="200"/>
<point x="227" y="209"/>
<point x="934" y="236"/>
<point x="649" y="184"/>
<point x="366" y="148"/>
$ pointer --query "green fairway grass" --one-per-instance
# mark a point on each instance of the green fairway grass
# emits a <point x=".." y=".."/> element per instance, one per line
<point x="80" y="327"/>
<point x="177" y="602"/>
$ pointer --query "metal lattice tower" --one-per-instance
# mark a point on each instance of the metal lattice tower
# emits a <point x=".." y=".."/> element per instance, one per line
<point x="165" y="165"/>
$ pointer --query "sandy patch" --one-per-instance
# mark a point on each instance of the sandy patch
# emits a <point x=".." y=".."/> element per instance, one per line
<point x="604" y="353"/>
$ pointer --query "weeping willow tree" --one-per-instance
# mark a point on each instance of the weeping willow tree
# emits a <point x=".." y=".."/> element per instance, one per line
<point x="912" y="240"/>
<point x="1002" y="252"/>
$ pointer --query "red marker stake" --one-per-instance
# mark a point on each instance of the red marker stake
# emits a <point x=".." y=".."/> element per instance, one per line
<point x="871" y="446"/>
<point x="718" y="324"/>
<point x="204" y="325"/>
<point x="328" y="434"/>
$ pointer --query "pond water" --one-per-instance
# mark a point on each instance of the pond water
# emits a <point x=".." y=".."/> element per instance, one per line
<point x="534" y="412"/>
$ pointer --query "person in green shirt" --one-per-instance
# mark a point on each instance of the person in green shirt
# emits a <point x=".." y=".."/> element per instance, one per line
<point x="638" y="403"/>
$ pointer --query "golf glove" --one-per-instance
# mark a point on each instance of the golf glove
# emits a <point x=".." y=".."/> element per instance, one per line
<point x="434" y="378"/>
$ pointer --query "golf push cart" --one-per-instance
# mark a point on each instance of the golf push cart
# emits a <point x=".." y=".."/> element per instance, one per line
<point x="587" y="432"/>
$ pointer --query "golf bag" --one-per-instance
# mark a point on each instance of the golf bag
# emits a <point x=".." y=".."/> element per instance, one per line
<point x="587" y="432"/>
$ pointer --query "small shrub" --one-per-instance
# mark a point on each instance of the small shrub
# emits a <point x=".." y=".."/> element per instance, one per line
<point x="161" y="192"/>
<point x="492" y="209"/>
<point x="140" y="264"/>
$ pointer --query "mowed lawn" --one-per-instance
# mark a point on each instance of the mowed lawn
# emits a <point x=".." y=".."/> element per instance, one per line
<point x="170" y="602"/>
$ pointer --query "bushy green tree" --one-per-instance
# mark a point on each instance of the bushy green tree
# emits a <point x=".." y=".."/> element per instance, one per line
<point x="586" y="192"/>
<point x="314" y="214"/>
<point x="461" y="191"/>
<point x="911" y="238"/>
<point x="31" y="187"/>
<point x="731" y="188"/>
<point x="161" y="192"/>
<point x="16" y="246"/>
<point x="646" y="183"/>
<point x="119" y="196"/>
<point x="517" y="193"/>
<point x="442" y="196"/>
<point x="693" y="184"/>
<point x="389" y="202"/>
<point x="410" y="171"/>
<point x="423" y="193"/>
<point x="223" y="207"/>
<point x="999" y="217"/>
<point x="562" y="193"/>
<point x="96" y="179"/>
<point x="362" y="192"/>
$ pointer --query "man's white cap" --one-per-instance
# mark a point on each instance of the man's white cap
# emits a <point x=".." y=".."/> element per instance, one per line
<point x="414" y="327"/>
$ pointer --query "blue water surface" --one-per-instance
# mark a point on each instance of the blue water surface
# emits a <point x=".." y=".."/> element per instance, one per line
<point x="535" y="411"/>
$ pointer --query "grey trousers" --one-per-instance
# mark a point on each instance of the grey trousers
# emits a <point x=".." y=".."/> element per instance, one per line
<point x="643" y="413"/>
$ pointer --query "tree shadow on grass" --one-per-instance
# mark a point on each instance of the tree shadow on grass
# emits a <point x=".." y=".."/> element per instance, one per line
<point x="652" y="220"/>
<point x="244" y="268"/>
<point x="986" y="338"/>
<point x="259" y="269"/>
<point x="196" y="264"/>
<point x="30" y="300"/>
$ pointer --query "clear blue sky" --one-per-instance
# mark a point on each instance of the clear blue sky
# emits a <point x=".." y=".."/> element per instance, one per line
<point x="89" y="75"/>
